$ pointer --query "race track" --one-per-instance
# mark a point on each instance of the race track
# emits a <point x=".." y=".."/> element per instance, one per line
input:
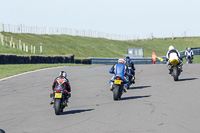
<point x="155" y="104"/>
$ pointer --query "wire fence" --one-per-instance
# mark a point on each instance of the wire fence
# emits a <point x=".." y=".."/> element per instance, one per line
<point x="62" y="31"/>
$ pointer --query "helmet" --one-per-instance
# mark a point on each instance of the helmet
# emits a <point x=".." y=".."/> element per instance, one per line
<point x="127" y="59"/>
<point x="121" y="61"/>
<point x="63" y="74"/>
<point x="171" y="47"/>
<point x="188" y="48"/>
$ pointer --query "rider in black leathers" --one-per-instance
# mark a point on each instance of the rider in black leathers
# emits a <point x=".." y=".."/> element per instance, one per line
<point x="130" y="64"/>
<point x="63" y="83"/>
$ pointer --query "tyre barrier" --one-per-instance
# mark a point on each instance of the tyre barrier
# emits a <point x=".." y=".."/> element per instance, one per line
<point x="14" y="59"/>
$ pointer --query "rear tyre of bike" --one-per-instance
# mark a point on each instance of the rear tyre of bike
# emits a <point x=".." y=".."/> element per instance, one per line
<point x="57" y="106"/>
<point x="116" y="93"/>
<point x="175" y="73"/>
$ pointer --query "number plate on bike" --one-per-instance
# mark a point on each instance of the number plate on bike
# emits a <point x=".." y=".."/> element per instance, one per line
<point x="58" y="95"/>
<point x="117" y="81"/>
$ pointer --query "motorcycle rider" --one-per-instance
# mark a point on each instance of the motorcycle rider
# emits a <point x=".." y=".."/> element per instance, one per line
<point x="129" y="63"/>
<point x="119" y="69"/>
<point x="63" y="83"/>
<point x="188" y="53"/>
<point x="173" y="54"/>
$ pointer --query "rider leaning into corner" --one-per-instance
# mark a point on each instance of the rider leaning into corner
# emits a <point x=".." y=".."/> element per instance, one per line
<point x="63" y="83"/>
<point x="119" y="69"/>
<point x="188" y="53"/>
<point x="129" y="63"/>
<point x="173" y="54"/>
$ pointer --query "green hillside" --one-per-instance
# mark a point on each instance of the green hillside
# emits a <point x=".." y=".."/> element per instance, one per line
<point x="83" y="47"/>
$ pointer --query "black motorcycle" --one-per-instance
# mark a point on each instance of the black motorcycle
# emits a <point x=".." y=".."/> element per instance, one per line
<point x="188" y="59"/>
<point x="130" y="78"/>
<point x="118" y="88"/>
<point x="59" y="101"/>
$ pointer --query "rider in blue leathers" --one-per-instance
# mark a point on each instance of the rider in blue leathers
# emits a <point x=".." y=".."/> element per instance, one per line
<point x="131" y="66"/>
<point x="120" y="70"/>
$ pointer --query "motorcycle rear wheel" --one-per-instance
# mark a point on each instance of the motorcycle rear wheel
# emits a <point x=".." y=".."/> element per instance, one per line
<point x="57" y="106"/>
<point x="116" y="93"/>
<point x="175" y="73"/>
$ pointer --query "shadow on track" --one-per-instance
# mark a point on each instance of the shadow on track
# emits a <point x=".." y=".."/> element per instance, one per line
<point x="187" y="79"/>
<point x="139" y="87"/>
<point x="76" y="111"/>
<point x="134" y="97"/>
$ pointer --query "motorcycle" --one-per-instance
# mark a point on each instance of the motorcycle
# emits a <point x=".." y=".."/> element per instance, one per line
<point x="175" y="68"/>
<point x="188" y="59"/>
<point x="59" y="101"/>
<point x="131" y="78"/>
<point x="118" y="88"/>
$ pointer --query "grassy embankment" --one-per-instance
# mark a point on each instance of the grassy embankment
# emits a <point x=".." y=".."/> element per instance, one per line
<point x="84" y="47"/>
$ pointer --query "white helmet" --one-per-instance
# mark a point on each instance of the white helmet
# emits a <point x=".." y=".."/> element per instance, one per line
<point x="188" y="48"/>
<point x="171" y="47"/>
<point x="121" y="61"/>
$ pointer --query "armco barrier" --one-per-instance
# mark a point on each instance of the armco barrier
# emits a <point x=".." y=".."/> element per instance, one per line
<point x="111" y="61"/>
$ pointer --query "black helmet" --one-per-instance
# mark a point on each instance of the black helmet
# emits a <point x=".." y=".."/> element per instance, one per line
<point x="127" y="59"/>
<point x="63" y="74"/>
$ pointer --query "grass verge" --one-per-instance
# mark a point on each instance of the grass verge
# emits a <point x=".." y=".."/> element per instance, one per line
<point x="10" y="70"/>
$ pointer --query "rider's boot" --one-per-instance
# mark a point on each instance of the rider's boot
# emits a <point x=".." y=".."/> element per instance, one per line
<point x="180" y="68"/>
<point x="111" y="86"/>
<point x="52" y="101"/>
<point x="170" y="69"/>
<point x="125" y="87"/>
<point x="65" y="102"/>
<point x="133" y="80"/>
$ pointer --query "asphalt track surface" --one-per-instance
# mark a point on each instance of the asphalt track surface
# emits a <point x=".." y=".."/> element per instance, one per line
<point x="155" y="104"/>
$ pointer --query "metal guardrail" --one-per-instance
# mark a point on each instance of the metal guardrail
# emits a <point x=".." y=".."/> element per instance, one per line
<point x="111" y="61"/>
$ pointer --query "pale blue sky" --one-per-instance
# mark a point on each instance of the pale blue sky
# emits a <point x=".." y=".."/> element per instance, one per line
<point x="126" y="17"/>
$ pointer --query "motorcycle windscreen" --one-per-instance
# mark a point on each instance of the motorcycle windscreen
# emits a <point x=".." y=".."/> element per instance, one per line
<point x="174" y="62"/>
<point x="58" y="95"/>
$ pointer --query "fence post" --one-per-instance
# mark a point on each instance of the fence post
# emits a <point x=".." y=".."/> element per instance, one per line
<point x="11" y="39"/>
<point x="13" y="44"/>
<point x="6" y="40"/>
<point x="34" y="49"/>
<point x="2" y="27"/>
<point x="40" y="49"/>
<point x="172" y="36"/>
<point x="20" y="47"/>
<point x="2" y="41"/>
<point x="151" y="36"/>
<point x="24" y="46"/>
<point x="184" y="33"/>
